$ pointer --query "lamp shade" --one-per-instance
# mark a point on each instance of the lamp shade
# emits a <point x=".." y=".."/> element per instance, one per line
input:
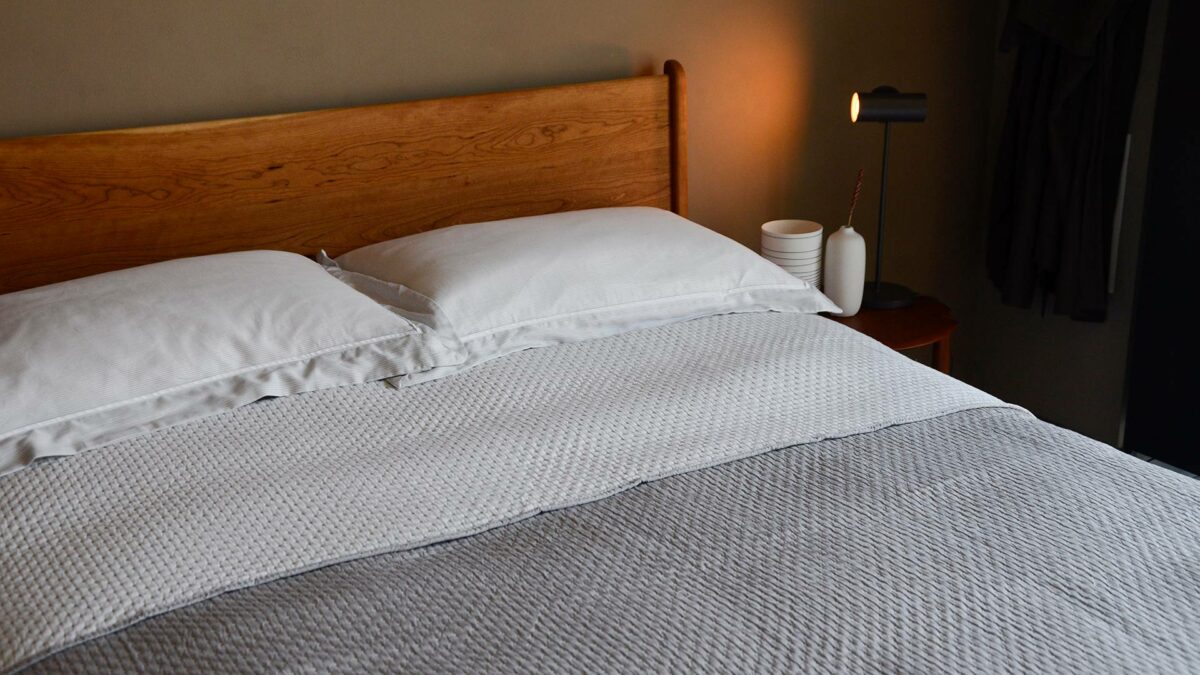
<point x="886" y="104"/>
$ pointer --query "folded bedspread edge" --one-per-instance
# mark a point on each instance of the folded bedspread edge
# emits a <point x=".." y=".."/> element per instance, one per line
<point x="979" y="541"/>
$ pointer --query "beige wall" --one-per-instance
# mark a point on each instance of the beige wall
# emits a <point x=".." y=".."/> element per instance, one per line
<point x="769" y="84"/>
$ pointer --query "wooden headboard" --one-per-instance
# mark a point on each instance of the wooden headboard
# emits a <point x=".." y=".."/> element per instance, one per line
<point x="80" y="204"/>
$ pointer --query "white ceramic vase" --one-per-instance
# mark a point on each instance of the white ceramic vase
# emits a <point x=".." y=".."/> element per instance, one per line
<point x="845" y="269"/>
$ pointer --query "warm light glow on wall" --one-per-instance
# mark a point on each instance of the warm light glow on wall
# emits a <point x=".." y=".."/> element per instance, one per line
<point x="854" y="107"/>
<point x="750" y="101"/>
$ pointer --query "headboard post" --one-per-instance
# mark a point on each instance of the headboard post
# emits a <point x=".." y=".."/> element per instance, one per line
<point x="677" y="86"/>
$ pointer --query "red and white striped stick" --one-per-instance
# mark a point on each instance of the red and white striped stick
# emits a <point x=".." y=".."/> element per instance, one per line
<point x="854" y="198"/>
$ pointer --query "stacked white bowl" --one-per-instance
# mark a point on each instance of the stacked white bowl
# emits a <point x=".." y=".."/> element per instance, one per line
<point x="794" y="245"/>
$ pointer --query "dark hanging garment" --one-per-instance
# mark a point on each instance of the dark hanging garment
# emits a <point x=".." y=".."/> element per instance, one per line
<point x="1062" y="149"/>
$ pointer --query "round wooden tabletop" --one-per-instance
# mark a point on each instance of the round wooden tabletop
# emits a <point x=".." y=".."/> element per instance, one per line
<point x="926" y="322"/>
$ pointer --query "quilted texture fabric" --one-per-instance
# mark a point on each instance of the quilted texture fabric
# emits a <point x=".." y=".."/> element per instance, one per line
<point x="101" y="540"/>
<point x="982" y="541"/>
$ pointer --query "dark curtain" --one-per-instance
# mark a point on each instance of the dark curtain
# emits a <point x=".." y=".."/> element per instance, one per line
<point x="1062" y="148"/>
<point x="1162" y="399"/>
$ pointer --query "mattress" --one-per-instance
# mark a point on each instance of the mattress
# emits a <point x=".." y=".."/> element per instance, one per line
<point x="748" y="492"/>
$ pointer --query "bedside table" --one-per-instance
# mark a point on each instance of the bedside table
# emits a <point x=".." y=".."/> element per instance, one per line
<point x="926" y="322"/>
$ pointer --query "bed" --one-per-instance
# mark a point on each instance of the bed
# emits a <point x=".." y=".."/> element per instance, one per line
<point x="761" y="491"/>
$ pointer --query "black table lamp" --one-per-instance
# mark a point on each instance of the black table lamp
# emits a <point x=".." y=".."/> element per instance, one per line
<point x="885" y="104"/>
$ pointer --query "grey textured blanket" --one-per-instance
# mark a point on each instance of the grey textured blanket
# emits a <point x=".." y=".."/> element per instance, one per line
<point x="97" y="541"/>
<point x="982" y="541"/>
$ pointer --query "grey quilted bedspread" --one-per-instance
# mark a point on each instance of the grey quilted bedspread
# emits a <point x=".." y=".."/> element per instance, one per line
<point x="100" y="540"/>
<point x="981" y="541"/>
<point x="942" y="530"/>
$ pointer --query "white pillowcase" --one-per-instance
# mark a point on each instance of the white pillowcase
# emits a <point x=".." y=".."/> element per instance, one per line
<point x="90" y="361"/>
<point x="527" y="282"/>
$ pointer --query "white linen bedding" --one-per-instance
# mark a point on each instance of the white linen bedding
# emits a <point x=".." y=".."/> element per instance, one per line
<point x="529" y="282"/>
<point x="95" y="542"/>
<point x="89" y="361"/>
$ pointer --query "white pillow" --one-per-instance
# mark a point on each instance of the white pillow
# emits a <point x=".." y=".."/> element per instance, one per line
<point x="526" y="282"/>
<point x="90" y="361"/>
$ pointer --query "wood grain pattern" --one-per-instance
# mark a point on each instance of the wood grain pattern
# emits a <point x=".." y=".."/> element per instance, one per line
<point x="80" y="204"/>
<point x="926" y="322"/>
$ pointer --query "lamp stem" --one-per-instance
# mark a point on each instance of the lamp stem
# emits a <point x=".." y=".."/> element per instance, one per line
<point x="887" y="128"/>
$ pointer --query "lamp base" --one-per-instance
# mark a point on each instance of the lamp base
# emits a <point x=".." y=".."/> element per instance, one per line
<point x="884" y="295"/>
